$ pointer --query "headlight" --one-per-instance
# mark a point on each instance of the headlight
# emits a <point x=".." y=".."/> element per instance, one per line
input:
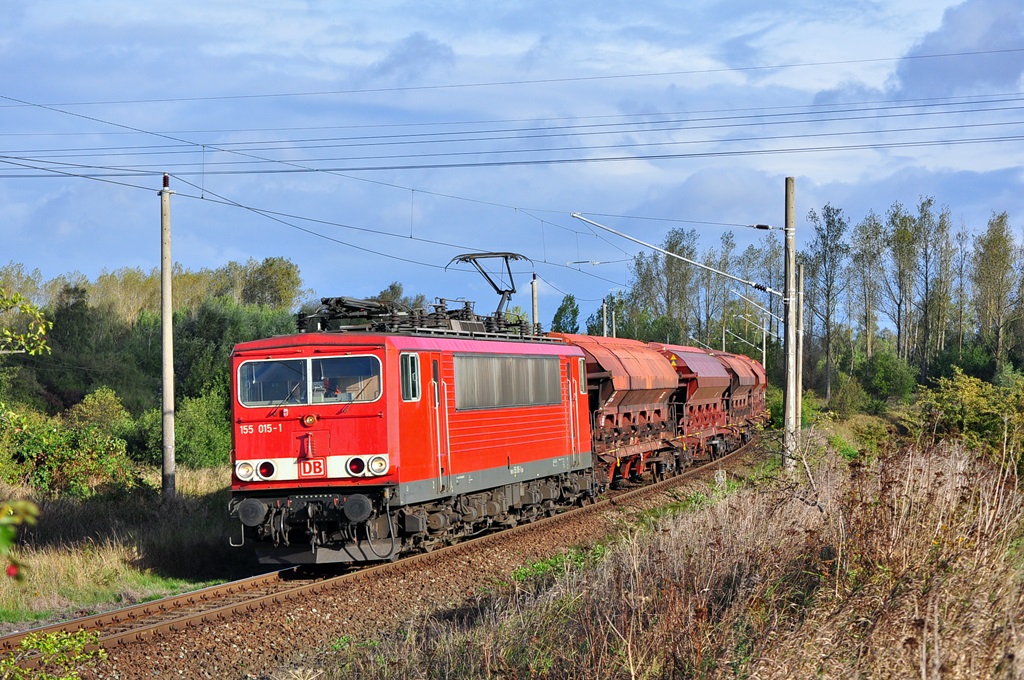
<point x="356" y="466"/>
<point x="378" y="465"/>
<point x="244" y="470"/>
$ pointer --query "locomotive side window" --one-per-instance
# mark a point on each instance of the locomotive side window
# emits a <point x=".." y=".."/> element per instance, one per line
<point x="488" y="381"/>
<point x="410" y="369"/>
<point x="583" y="375"/>
<point x="355" y="378"/>
<point x="266" y="383"/>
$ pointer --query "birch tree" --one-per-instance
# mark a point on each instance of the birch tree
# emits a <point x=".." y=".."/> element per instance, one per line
<point x="827" y="260"/>
<point x="995" y="277"/>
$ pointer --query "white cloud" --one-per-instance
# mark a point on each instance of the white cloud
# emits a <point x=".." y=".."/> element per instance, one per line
<point x="65" y="51"/>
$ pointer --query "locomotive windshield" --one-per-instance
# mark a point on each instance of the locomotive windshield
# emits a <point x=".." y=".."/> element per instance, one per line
<point x="288" y="381"/>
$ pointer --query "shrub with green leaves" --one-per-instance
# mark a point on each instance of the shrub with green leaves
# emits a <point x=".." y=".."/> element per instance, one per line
<point x="983" y="415"/>
<point x="203" y="430"/>
<point x="202" y="436"/>
<point x="102" y="410"/>
<point x="55" y="459"/>
<point x="850" y="398"/>
<point x="887" y="376"/>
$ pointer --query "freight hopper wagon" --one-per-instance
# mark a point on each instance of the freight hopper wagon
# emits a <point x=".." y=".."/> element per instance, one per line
<point x="746" y="394"/>
<point x="361" y="446"/>
<point x="628" y="389"/>
<point x="699" y="403"/>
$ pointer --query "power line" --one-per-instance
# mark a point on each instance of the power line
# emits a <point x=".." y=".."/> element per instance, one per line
<point x="590" y="148"/>
<point x="539" y="81"/>
<point x="676" y="124"/>
<point x="808" y="108"/>
<point x="299" y="169"/>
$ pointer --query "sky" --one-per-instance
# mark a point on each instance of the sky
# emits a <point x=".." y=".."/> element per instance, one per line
<point x="372" y="142"/>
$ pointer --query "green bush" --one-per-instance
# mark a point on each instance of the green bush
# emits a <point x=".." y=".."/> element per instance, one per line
<point x="844" y="448"/>
<point x="775" y="402"/>
<point x="850" y="398"/>
<point x="56" y="459"/>
<point x="872" y="434"/>
<point x="810" y="407"/>
<point x="145" y="441"/>
<point x="202" y="433"/>
<point x="203" y="430"/>
<point x="887" y="376"/>
<point x="983" y="415"/>
<point x="102" y="410"/>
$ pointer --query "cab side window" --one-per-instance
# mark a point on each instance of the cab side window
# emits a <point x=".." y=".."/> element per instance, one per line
<point x="410" y="375"/>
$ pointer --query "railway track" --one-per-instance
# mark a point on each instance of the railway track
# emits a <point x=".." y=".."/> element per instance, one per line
<point x="168" y="616"/>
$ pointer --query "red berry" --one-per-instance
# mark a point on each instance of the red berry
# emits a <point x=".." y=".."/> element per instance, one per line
<point x="12" y="570"/>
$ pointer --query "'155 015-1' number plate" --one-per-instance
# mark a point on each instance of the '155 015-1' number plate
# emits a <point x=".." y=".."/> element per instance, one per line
<point x="262" y="428"/>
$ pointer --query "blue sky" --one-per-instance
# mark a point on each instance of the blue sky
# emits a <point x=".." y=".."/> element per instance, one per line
<point x="370" y="142"/>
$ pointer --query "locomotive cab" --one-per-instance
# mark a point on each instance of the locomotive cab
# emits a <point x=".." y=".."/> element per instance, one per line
<point x="311" y="460"/>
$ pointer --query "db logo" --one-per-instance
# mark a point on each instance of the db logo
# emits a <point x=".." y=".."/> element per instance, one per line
<point x="312" y="467"/>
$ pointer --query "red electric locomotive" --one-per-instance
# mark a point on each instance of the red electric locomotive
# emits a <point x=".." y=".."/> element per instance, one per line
<point x="378" y="431"/>
<point x="360" y="446"/>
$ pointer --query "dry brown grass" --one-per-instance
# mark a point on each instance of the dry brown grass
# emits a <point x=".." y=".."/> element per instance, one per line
<point x="100" y="553"/>
<point x="907" y="568"/>
<point x="928" y="577"/>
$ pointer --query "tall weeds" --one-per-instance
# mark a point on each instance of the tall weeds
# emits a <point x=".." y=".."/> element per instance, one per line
<point x="909" y="567"/>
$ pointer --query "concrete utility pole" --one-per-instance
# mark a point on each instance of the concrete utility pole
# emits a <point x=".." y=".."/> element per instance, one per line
<point x="764" y="342"/>
<point x="167" y="333"/>
<point x="790" y="442"/>
<point x="536" y="308"/>
<point x="800" y="359"/>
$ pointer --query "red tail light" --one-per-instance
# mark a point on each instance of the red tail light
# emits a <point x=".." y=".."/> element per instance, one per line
<point x="266" y="469"/>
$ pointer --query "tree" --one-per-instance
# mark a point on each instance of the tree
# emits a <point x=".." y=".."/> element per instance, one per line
<point x="567" y="316"/>
<point x="29" y="285"/>
<point x="712" y="291"/>
<point x="961" y="292"/>
<point x="29" y="337"/>
<point x="680" y="279"/>
<point x="898" y="281"/>
<point x="203" y="340"/>
<point x="995" y="276"/>
<point x="866" y="258"/>
<point x="773" y="270"/>
<point x="665" y="287"/>
<point x="395" y="292"/>
<point x="827" y="259"/>
<point x="933" y="269"/>
<point x="91" y="339"/>
<point x="128" y="291"/>
<point x="273" y="283"/>
<point x="25" y="326"/>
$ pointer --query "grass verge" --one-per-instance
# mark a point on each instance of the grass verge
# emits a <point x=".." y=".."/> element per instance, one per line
<point x="904" y="564"/>
<point x="88" y="556"/>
